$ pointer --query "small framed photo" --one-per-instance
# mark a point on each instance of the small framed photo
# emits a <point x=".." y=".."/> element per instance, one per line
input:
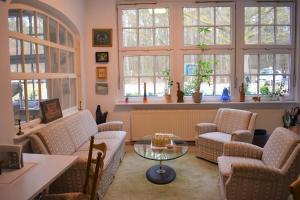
<point x="102" y="57"/>
<point x="102" y="37"/>
<point x="101" y="73"/>
<point x="101" y="88"/>
<point x="51" y="110"/>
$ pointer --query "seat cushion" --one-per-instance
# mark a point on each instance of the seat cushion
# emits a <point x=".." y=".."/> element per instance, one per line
<point x="112" y="144"/>
<point x="225" y="162"/>
<point x="216" y="136"/>
<point x="121" y="135"/>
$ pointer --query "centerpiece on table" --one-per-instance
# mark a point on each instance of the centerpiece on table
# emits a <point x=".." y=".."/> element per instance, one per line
<point x="162" y="140"/>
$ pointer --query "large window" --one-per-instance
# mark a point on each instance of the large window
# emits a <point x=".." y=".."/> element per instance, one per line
<point x="42" y="62"/>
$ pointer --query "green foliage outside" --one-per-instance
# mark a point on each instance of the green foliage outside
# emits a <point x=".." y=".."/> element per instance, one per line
<point x="264" y="90"/>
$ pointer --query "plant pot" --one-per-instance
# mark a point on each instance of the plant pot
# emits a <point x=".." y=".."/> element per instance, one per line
<point x="197" y="97"/>
<point x="281" y="98"/>
<point x="168" y="98"/>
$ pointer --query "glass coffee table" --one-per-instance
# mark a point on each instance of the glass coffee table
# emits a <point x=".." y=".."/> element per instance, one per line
<point x="160" y="174"/>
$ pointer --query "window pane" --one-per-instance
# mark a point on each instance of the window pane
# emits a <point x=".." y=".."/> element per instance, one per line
<point x="207" y="38"/>
<point x="190" y="16"/>
<point x="56" y="89"/>
<point x="222" y="64"/>
<point x="283" y="35"/>
<point x="62" y="35"/>
<point x="129" y="37"/>
<point x="251" y="15"/>
<point x="267" y="34"/>
<point x="265" y="84"/>
<point x="70" y="42"/>
<point x="207" y="89"/>
<point x="221" y="83"/>
<point x="30" y="57"/>
<point x="41" y="26"/>
<point x="222" y="16"/>
<point x="43" y="59"/>
<point x="71" y="65"/>
<point x="161" y="16"/>
<point x="223" y="35"/>
<point x="45" y="89"/>
<point x="161" y="86"/>
<point x="53" y="30"/>
<point x="130" y="65"/>
<point x="282" y="84"/>
<point x="206" y="16"/>
<point x="65" y="93"/>
<point x="283" y="64"/>
<point x="250" y="84"/>
<point x="145" y="18"/>
<point x="190" y="36"/>
<point x="129" y="18"/>
<point x="63" y="62"/>
<point x="54" y="60"/>
<point x="73" y="92"/>
<point x="146" y="65"/>
<point x="267" y="15"/>
<point x="33" y="99"/>
<point x="18" y="100"/>
<point x="251" y="64"/>
<point x="266" y="63"/>
<point x="283" y="15"/>
<point x="149" y="86"/>
<point x="15" y="55"/>
<point x="14" y="20"/>
<point x="146" y="37"/>
<point x="131" y="87"/>
<point x="28" y="22"/>
<point x="162" y="63"/>
<point x="251" y="34"/>
<point x="161" y="36"/>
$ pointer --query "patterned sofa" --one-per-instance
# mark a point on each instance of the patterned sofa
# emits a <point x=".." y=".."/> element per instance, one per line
<point x="70" y="136"/>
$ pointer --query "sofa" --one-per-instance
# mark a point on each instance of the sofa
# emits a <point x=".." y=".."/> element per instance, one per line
<point x="71" y="136"/>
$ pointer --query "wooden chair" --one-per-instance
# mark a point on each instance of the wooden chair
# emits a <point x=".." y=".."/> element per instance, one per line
<point x="295" y="189"/>
<point x="89" y="176"/>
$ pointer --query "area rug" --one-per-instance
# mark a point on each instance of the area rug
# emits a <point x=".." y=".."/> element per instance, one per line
<point x="195" y="179"/>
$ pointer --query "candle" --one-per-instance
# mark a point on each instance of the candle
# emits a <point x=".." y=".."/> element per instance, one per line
<point x="145" y="88"/>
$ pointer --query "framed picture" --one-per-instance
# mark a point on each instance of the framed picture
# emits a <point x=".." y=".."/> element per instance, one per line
<point x="101" y="88"/>
<point x="101" y="73"/>
<point x="102" y="37"/>
<point x="101" y="57"/>
<point x="51" y="110"/>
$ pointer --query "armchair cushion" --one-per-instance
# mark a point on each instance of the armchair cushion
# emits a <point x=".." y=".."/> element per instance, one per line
<point x="241" y="149"/>
<point x="202" y="128"/>
<point x="242" y="136"/>
<point x="110" y="126"/>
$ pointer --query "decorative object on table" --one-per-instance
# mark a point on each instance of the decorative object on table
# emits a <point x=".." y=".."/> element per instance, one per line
<point x="161" y="139"/>
<point x="11" y="155"/>
<point x="102" y="57"/>
<point x="225" y="95"/>
<point x="145" y="93"/>
<point x="20" y="132"/>
<point x="203" y="71"/>
<point x="180" y="94"/>
<point x="242" y="93"/>
<point x="101" y="88"/>
<point x="101" y="73"/>
<point x="102" y="37"/>
<point x="50" y="110"/>
<point x="256" y="99"/>
<point x="166" y="76"/>
<point x="291" y="119"/>
<point x="100" y="117"/>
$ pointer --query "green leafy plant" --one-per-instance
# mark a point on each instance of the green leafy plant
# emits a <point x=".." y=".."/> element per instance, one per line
<point x="290" y="117"/>
<point x="280" y="90"/>
<point x="264" y="90"/>
<point x="166" y="76"/>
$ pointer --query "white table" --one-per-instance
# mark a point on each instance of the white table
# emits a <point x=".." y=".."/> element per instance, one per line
<point x="46" y="169"/>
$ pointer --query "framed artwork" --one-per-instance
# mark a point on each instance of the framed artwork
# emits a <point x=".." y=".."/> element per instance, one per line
<point x="102" y="37"/>
<point x="51" y="110"/>
<point x="101" y="73"/>
<point x="102" y="57"/>
<point x="101" y="88"/>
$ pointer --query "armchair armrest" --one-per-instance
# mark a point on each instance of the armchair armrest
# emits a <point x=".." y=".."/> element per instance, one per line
<point x="242" y="136"/>
<point x="241" y="149"/>
<point x="205" y="127"/>
<point x="257" y="172"/>
<point x="110" y="126"/>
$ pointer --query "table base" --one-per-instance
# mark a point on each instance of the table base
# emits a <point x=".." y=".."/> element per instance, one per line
<point x="160" y="174"/>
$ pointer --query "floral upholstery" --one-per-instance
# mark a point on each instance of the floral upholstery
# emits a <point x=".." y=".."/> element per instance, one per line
<point x="246" y="171"/>
<point x="229" y="125"/>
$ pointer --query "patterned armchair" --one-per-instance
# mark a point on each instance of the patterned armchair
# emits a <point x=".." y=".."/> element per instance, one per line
<point x="229" y="125"/>
<point x="249" y="172"/>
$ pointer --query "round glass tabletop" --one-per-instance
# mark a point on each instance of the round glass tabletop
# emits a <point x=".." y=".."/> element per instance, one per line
<point x="144" y="149"/>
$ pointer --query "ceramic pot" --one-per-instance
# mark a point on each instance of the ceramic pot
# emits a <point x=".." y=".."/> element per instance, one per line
<point x="168" y="98"/>
<point x="197" y="97"/>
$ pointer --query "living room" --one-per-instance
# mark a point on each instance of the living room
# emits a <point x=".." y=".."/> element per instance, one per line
<point x="126" y="55"/>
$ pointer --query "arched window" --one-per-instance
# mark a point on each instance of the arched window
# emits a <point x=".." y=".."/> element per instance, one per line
<point x="42" y="61"/>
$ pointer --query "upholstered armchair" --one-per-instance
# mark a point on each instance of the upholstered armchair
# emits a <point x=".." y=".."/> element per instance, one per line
<point x="250" y="172"/>
<point x="229" y="125"/>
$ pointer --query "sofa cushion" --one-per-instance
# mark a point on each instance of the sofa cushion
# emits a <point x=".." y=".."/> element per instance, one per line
<point x="111" y="135"/>
<point x="56" y="139"/>
<point x="111" y="144"/>
<point x="216" y="136"/>
<point x="37" y="145"/>
<point x="76" y="130"/>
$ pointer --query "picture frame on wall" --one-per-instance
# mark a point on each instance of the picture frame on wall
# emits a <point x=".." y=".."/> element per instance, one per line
<point x="50" y="110"/>
<point x="102" y="37"/>
<point x="101" y="88"/>
<point x="102" y="57"/>
<point x="101" y="73"/>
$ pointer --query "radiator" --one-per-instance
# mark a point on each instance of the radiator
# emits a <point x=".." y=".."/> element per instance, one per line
<point x="179" y="122"/>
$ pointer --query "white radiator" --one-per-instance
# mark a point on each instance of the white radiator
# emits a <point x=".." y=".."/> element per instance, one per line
<point x="180" y="122"/>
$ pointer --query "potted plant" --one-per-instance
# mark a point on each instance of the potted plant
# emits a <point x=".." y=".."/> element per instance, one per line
<point x="280" y="91"/>
<point x="166" y="76"/>
<point x="291" y="119"/>
<point x="202" y="72"/>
